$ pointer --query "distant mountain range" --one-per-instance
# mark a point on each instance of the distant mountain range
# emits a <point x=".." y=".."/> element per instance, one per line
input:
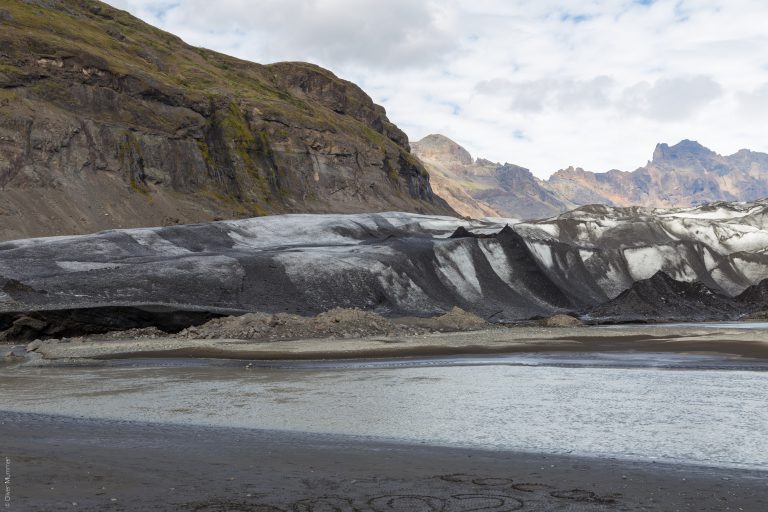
<point x="686" y="174"/>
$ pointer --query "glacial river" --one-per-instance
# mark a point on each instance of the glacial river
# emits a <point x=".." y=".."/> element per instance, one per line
<point x="706" y="410"/>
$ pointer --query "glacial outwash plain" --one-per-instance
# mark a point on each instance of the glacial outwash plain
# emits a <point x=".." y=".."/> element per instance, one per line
<point x="230" y="286"/>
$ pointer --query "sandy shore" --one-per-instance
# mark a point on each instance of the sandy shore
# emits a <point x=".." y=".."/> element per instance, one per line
<point x="738" y="342"/>
<point x="59" y="463"/>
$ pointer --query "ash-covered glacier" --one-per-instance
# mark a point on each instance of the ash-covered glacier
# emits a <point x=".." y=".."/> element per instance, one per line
<point x="391" y="263"/>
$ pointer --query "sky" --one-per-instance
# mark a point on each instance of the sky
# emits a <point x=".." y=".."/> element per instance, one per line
<point x="546" y="84"/>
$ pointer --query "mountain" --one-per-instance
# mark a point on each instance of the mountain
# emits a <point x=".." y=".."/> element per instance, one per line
<point x="400" y="264"/>
<point x="455" y="176"/>
<point x="480" y="188"/>
<point x="684" y="175"/>
<point x="108" y="122"/>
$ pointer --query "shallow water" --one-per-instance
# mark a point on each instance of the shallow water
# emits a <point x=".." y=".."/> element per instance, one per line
<point x="700" y="325"/>
<point x="652" y="410"/>
<point x="668" y="360"/>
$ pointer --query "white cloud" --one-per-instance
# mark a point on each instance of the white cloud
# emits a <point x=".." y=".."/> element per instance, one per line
<point x="563" y="94"/>
<point x="370" y="33"/>
<point x="546" y="84"/>
<point x="753" y="105"/>
<point x="670" y="99"/>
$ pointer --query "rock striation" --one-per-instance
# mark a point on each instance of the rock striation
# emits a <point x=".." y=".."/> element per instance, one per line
<point x="107" y="122"/>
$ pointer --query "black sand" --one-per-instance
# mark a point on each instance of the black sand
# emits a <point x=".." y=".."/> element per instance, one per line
<point x="59" y="463"/>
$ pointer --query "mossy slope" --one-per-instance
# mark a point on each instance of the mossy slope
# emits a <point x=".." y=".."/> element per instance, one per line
<point x="86" y="89"/>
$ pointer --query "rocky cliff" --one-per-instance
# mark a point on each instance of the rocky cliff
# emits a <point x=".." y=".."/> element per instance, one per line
<point x="686" y="174"/>
<point x="107" y="122"/>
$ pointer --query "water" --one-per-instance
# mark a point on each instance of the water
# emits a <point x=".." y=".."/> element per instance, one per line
<point x="664" y="407"/>
<point x="666" y="360"/>
<point x="700" y="325"/>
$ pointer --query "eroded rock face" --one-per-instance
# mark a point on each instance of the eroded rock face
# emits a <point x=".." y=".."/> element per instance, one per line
<point x="107" y="122"/>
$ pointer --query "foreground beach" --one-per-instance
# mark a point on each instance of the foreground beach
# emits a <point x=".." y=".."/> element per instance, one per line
<point x="744" y="340"/>
<point x="624" y="418"/>
<point x="60" y="463"/>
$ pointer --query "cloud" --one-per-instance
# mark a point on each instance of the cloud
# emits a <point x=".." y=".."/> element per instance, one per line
<point x="753" y="105"/>
<point x="368" y="33"/>
<point x="546" y="84"/>
<point x="671" y="99"/>
<point x="536" y="95"/>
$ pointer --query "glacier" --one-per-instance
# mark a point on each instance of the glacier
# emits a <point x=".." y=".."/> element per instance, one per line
<point x="391" y="263"/>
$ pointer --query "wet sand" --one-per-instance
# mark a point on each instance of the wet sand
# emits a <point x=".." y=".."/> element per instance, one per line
<point x="752" y="343"/>
<point x="59" y="463"/>
<point x="64" y="463"/>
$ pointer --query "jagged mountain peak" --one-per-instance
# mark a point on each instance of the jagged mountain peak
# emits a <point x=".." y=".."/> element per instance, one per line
<point x="683" y="151"/>
<point x="512" y="175"/>
<point x="681" y="175"/>
<point x="568" y="172"/>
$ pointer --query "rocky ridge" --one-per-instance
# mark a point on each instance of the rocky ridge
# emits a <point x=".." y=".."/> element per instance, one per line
<point x="107" y="122"/>
<point x="683" y="175"/>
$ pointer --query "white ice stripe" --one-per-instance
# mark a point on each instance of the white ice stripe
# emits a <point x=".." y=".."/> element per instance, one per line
<point x="542" y="252"/>
<point x="150" y="239"/>
<point x="754" y="272"/>
<point x="83" y="266"/>
<point x="586" y="254"/>
<point x="457" y="270"/>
